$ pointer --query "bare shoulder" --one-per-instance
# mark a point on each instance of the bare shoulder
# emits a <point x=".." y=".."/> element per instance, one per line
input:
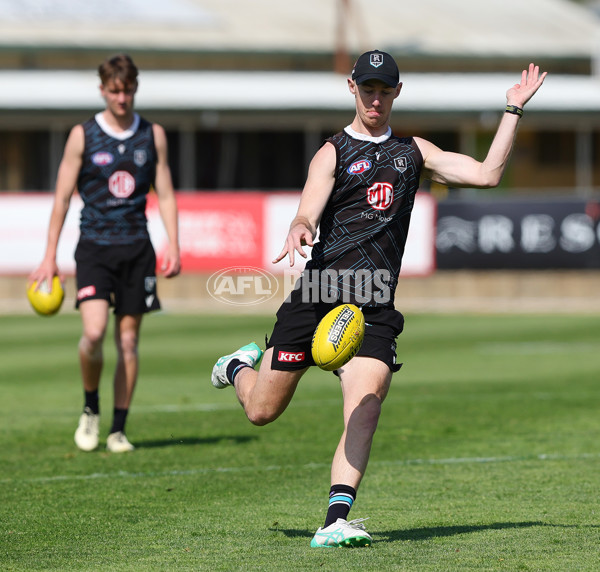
<point x="326" y="150"/>
<point x="325" y="157"/>
<point x="158" y="131"/>
<point x="424" y="146"/>
<point x="77" y="133"/>
<point x="160" y="141"/>
<point x="75" y="144"/>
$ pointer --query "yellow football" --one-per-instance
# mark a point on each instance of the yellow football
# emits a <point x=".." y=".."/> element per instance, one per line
<point x="338" y="337"/>
<point x="44" y="301"/>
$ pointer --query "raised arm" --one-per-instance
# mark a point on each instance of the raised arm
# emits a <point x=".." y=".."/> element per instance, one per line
<point x="66" y="181"/>
<point x="457" y="170"/>
<point x="316" y="192"/>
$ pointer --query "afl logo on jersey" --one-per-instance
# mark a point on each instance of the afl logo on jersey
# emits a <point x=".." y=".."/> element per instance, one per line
<point x="121" y="184"/>
<point x="102" y="158"/>
<point x="380" y="196"/>
<point x="359" y="167"/>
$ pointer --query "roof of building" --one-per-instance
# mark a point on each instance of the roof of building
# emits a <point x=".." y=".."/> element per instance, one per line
<point x="535" y="28"/>
<point x="538" y="30"/>
<point x="201" y="91"/>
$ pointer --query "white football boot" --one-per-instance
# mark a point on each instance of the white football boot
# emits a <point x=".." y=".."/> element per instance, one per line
<point x="118" y="443"/>
<point x="342" y="533"/>
<point x="88" y="430"/>
<point x="249" y="354"/>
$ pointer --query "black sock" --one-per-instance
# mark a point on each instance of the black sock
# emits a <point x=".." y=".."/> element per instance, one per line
<point x="234" y="366"/>
<point x="91" y="401"/>
<point x="341" y="498"/>
<point x="119" y="418"/>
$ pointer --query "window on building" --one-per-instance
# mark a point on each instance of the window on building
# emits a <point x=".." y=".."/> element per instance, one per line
<point x="555" y="148"/>
<point x="24" y="161"/>
<point x="262" y="160"/>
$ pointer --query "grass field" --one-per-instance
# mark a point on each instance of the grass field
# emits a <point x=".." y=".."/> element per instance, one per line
<point x="487" y="456"/>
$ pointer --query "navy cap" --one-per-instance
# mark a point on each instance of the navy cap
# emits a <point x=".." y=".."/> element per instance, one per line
<point x="376" y="65"/>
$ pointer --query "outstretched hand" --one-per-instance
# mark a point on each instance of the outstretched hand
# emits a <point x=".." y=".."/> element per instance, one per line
<point x="531" y="80"/>
<point x="299" y="236"/>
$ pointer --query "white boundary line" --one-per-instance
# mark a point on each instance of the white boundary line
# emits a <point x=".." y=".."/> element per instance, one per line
<point x="308" y="466"/>
<point x="209" y="407"/>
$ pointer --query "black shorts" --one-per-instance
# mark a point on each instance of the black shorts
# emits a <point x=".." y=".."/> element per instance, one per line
<point x="296" y="322"/>
<point x="123" y="274"/>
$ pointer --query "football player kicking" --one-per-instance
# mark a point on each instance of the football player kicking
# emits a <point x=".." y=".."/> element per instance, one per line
<point x="359" y="192"/>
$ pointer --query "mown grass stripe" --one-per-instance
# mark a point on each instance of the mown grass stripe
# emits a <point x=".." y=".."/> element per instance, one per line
<point x="307" y="466"/>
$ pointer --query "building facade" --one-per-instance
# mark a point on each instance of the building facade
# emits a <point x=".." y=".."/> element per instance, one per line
<point x="247" y="95"/>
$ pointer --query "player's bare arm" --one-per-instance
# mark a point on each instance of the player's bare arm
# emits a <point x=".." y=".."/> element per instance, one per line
<point x="316" y="192"/>
<point x="167" y="203"/>
<point x="66" y="182"/>
<point x="455" y="169"/>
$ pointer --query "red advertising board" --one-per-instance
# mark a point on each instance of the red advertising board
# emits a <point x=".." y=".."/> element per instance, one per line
<point x="216" y="230"/>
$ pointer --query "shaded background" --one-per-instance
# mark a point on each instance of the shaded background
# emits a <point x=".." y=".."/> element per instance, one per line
<point x="248" y="91"/>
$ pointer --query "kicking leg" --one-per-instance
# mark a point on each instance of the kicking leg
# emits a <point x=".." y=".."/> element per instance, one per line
<point x="264" y="394"/>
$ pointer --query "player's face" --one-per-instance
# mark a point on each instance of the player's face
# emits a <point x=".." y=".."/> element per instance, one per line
<point x="119" y="97"/>
<point x="374" y="101"/>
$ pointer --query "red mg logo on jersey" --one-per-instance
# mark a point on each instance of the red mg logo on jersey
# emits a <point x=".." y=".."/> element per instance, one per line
<point x="380" y="196"/>
<point x="121" y="184"/>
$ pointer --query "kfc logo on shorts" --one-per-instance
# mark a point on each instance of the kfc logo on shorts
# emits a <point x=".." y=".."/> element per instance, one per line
<point x="291" y="357"/>
<point x="86" y="292"/>
<point x="380" y="196"/>
<point x="359" y="167"/>
<point x="121" y="184"/>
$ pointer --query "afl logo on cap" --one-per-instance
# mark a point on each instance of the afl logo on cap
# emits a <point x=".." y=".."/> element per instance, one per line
<point x="376" y="59"/>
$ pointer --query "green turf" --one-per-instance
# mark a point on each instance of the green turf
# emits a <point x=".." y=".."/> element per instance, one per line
<point x="487" y="454"/>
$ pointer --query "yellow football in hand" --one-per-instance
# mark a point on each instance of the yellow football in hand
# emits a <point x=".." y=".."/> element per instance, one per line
<point x="44" y="301"/>
<point x="338" y="337"/>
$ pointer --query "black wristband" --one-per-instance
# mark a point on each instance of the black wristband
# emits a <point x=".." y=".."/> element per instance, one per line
<point x="514" y="110"/>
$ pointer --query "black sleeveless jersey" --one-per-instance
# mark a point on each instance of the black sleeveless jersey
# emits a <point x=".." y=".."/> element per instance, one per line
<point x="115" y="177"/>
<point x="364" y="226"/>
